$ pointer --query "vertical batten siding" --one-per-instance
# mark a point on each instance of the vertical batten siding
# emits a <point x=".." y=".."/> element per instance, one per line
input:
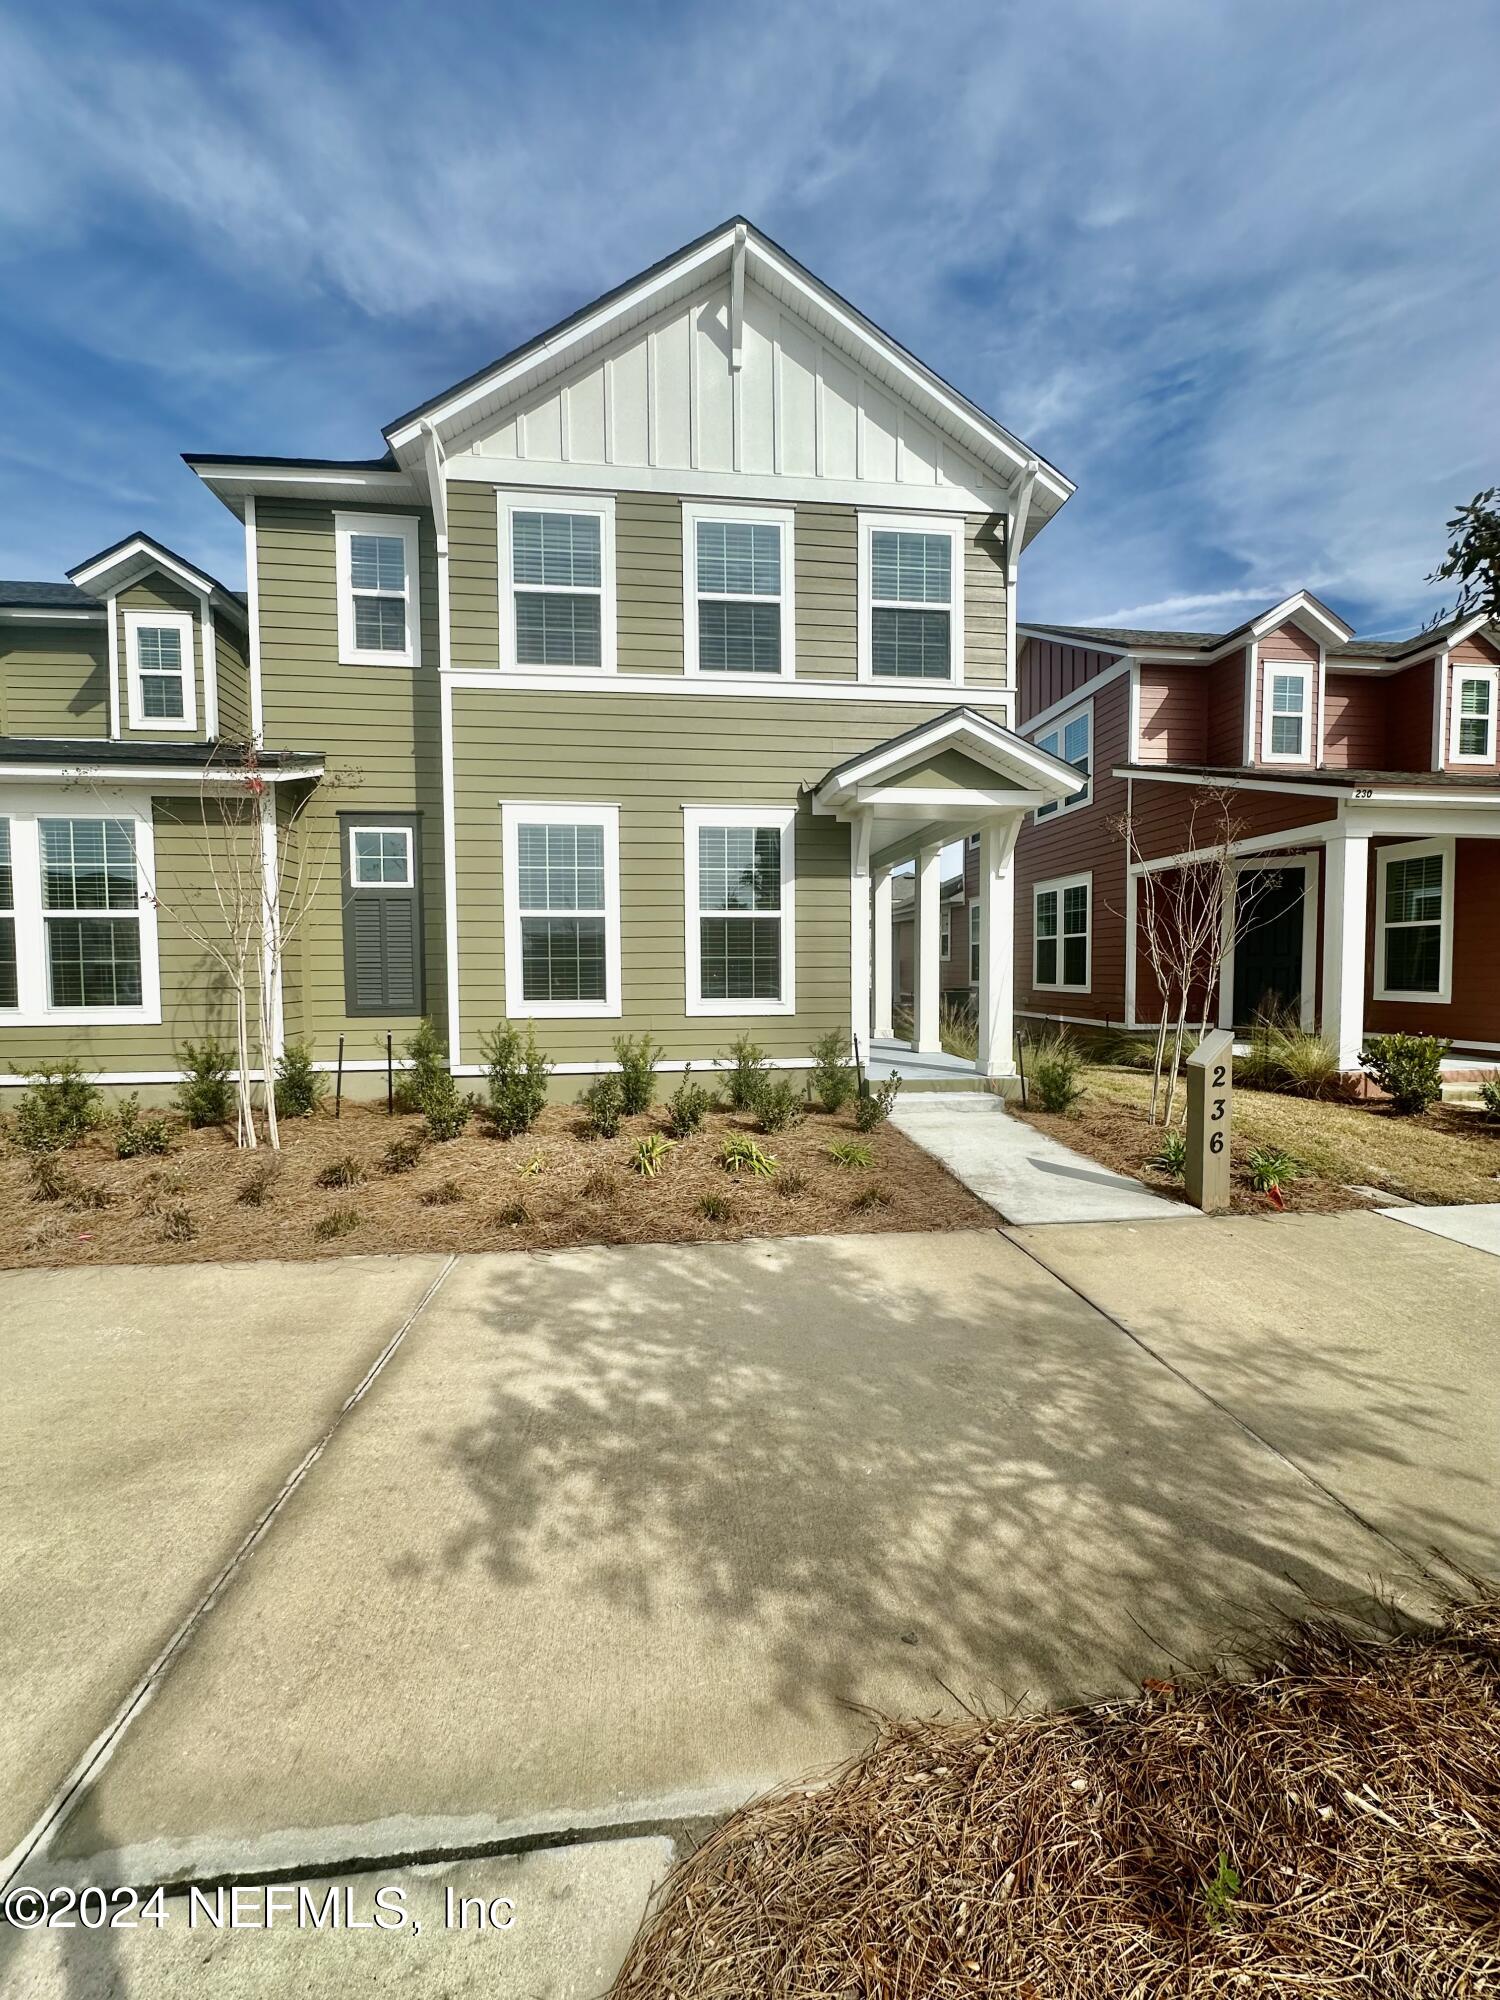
<point x="1050" y="670"/>
<point x="157" y="592"/>
<point x="650" y="755"/>
<point x="378" y="731"/>
<point x="54" y="680"/>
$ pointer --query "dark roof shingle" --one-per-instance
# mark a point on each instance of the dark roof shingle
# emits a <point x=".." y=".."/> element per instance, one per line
<point x="46" y="597"/>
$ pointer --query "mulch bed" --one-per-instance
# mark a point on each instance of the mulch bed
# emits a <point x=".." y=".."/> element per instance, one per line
<point x="547" y="1190"/>
<point x="1327" y="1827"/>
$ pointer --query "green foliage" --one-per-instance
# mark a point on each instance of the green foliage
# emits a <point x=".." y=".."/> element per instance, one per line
<point x="532" y="1169"/>
<point x="688" y="1106"/>
<point x="873" y="1107"/>
<point x="446" y="1111"/>
<point x="1408" y="1068"/>
<point x="517" y="1072"/>
<point x="637" y="1060"/>
<point x="259" y="1182"/>
<point x="337" y="1222"/>
<point x="714" y="1207"/>
<point x="958" y="1029"/>
<point x="178" y="1226"/>
<point x="427" y="1055"/>
<point x="1219" y="1892"/>
<point x="870" y="1198"/>
<point x="1124" y="1050"/>
<point x="779" y="1105"/>
<point x="1272" y="1166"/>
<point x="137" y="1136"/>
<point x="748" y="1064"/>
<point x="1284" y="1056"/>
<point x="1473" y="558"/>
<point x="603" y="1106"/>
<point x="1172" y="1159"/>
<point x="1052" y="1072"/>
<point x="344" y="1172"/>
<point x="206" y="1094"/>
<point x="650" y="1155"/>
<point x="402" y="1154"/>
<point x="851" y="1153"/>
<point x="442" y="1196"/>
<point x="59" y="1109"/>
<point x="1489" y="1096"/>
<point x="834" y="1078"/>
<point x="299" y="1087"/>
<point x="740" y="1154"/>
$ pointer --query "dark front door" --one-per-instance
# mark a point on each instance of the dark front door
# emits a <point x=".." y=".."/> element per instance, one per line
<point x="1268" y="962"/>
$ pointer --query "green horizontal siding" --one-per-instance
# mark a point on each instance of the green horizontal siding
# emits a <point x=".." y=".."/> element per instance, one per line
<point x="54" y="680"/>
<point x="157" y="592"/>
<point x="234" y="682"/>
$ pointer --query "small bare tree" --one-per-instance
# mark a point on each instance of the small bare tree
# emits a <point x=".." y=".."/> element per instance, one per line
<point x="1191" y="912"/>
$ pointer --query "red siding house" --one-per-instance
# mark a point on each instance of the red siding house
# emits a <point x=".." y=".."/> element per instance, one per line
<point x="1365" y="775"/>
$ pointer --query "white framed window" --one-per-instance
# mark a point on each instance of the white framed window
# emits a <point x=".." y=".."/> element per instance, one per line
<point x="911" y="598"/>
<point x="740" y="880"/>
<point x="77" y="923"/>
<point x="1414" y="915"/>
<point x="1071" y="737"/>
<point x="557" y="582"/>
<point x="1286" y="713"/>
<point x="380" y="857"/>
<point x="945" y="932"/>
<point x="1061" y="933"/>
<point x="380" y="605"/>
<point x="159" y="678"/>
<point x="1474" y="701"/>
<point x="561" y="866"/>
<point x="738" y="602"/>
<point x="974" y="944"/>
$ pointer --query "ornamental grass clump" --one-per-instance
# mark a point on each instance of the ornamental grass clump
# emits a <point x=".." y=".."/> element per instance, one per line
<point x="1053" y="1073"/>
<point x="650" y="1155"/>
<point x="337" y="1222"/>
<point x="344" y="1172"/>
<point x="740" y="1154"/>
<point x="403" y="1154"/>
<point x="1287" y="1057"/>
<point x="851" y="1153"/>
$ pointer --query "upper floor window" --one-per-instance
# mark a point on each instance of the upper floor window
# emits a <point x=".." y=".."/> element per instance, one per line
<point x="562" y="909"/>
<point x="1414" y="897"/>
<point x="739" y="909"/>
<point x="1474" y="701"/>
<point x="9" y="993"/>
<point x="1286" y="705"/>
<point x="1060" y="933"/>
<point x="379" y="591"/>
<point x="558" y="582"/>
<point x="738" y="613"/>
<point x="1071" y="738"/>
<point x="910" y="598"/>
<point x="159" y="670"/>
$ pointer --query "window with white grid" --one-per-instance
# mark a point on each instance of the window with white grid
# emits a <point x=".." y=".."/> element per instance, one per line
<point x="911" y="599"/>
<point x="159" y="670"/>
<point x="557" y="580"/>
<point x="378" y="587"/>
<point x="1287" y="713"/>
<point x="739" y="888"/>
<point x="562" y="909"/>
<point x="738" y="613"/>
<point x="1474" y="701"/>
<point x="1060" y="933"/>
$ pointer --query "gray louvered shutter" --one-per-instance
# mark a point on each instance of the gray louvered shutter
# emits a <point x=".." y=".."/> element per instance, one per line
<point x="382" y="943"/>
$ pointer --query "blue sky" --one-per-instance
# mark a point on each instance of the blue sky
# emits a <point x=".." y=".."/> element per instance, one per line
<point x="1235" y="268"/>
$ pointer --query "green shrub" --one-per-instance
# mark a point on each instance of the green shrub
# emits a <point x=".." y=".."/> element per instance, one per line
<point x="650" y="1155"/>
<point x="714" y="1207"/>
<point x="1271" y="1166"/>
<point x="834" y="1078"/>
<point x="637" y="1060"/>
<point x="337" y="1222"/>
<point x="442" y="1196"/>
<point x="1053" y="1073"/>
<point x="137" y="1136"/>
<point x="59" y="1109"/>
<point x="603" y="1106"/>
<point x="427" y="1057"/>
<point x="740" y="1154"/>
<point x="851" y="1153"/>
<point x="1489" y="1096"/>
<point x="344" y="1172"/>
<point x="779" y="1105"/>
<point x="259" y="1182"/>
<point x="447" y="1111"/>
<point x="402" y="1154"/>
<point x="1284" y="1056"/>
<point x="688" y="1106"/>
<point x="873" y="1107"/>
<point x="1408" y="1068"/>
<point x="517" y="1072"/>
<point x="747" y="1073"/>
<point x="299" y="1087"/>
<point x="1172" y="1159"/>
<point x="206" y="1095"/>
<point x="178" y="1226"/>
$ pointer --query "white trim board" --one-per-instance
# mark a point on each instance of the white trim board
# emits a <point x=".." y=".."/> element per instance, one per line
<point x="757" y="687"/>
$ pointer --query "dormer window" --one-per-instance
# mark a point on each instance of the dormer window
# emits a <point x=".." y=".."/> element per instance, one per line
<point x="378" y="590"/>
<point x="159" y="670"/>
<point x="1474" y="692"/>
<point x="1288" y="701"/>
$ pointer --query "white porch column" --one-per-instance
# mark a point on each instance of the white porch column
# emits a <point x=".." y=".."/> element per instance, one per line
<point x="859" y="932"/>
<point x="927" y="944"/>
<point x="882" y="951"/>
<point x="997" y="930"/>
<point x="1345" y="897"/>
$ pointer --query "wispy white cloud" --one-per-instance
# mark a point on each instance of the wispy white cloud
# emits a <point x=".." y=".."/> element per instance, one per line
<point x="1210" y="260"/>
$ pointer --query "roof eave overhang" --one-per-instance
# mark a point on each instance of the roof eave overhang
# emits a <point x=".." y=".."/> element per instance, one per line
<point x="75" y="771"/>
<point x="234" y="482"/>
<point x="1030" y="775"/>
<point x="107" y="574"/>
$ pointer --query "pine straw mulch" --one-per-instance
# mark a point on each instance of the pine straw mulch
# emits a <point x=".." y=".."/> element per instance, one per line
<point x="547" y="1190"/>
<point x="1449" y="1154"/>
<point x="1329" y="1828"/>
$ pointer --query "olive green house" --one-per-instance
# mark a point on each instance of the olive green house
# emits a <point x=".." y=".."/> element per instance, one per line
<point x="607" y="697"/>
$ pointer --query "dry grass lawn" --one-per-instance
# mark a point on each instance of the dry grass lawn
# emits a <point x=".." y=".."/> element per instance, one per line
<point x="1447" y="1155"/>
<point x="551" y="1188"/>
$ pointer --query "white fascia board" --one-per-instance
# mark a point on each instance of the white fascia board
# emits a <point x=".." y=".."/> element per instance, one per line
<point x="985" y="741"/>
<point x="166" y="777"/>
<point x="18" y="614"/>
<point x="1451" y="799"/>
<point x="1300" y="606"/>
<point x="135" y="552"/>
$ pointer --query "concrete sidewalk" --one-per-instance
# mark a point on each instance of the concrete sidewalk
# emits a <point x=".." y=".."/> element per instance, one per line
<point x="1474" y="1223"/>
<point x="1025" y="1175"/>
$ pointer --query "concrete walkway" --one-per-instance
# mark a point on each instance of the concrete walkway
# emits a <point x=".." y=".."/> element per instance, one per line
<point x="1027" y="1176"/>
<point x="1474" y="1223"/>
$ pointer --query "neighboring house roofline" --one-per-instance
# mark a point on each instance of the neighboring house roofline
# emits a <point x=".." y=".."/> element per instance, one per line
<point x="1378" y="655"/>
<point x="1260" y="777"/>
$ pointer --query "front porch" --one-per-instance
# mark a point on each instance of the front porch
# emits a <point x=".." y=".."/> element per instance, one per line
<point x="890" y="1057"/>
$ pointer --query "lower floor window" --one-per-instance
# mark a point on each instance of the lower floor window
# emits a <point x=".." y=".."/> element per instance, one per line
<point x="973" y="944"/>
<point x="77" y="927"/>
<point x="562" y="909"/>
<point x="1414" y="903"/>
<point x="1060" y="937"/>
<point x="739" y="901"/>
<point x="9" y="993"/>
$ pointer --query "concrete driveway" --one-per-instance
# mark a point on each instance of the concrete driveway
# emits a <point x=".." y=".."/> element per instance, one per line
<point x="616" y="1537"/>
